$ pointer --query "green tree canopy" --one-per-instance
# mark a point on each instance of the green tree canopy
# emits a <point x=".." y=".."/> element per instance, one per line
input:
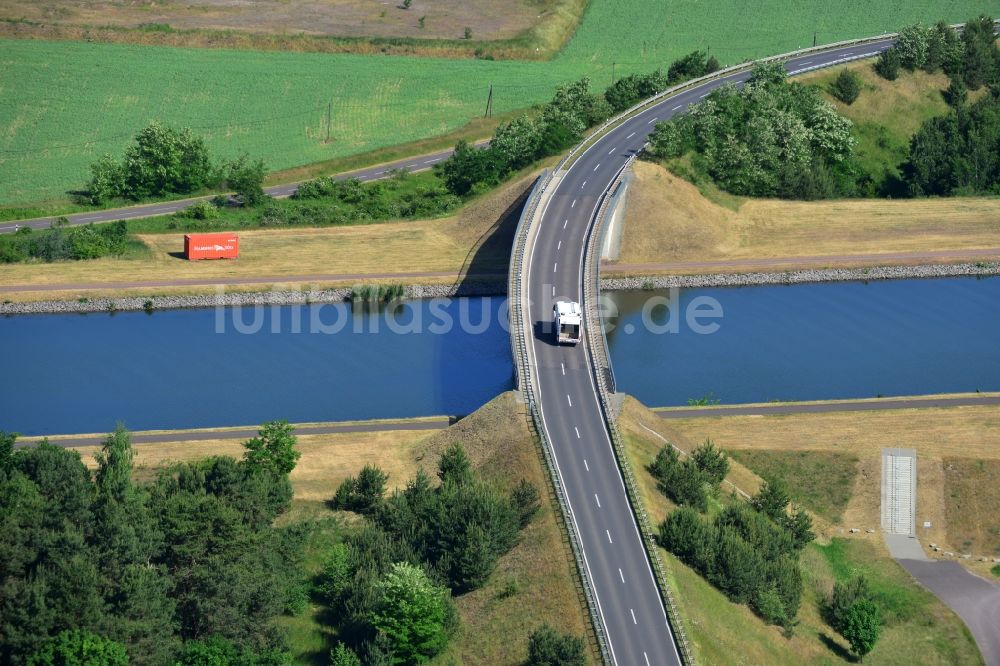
<point x="80" y="648"/>
<point x="412" y="612"/>
<point x="547" y="647"/>
<point x="273" y="449"/>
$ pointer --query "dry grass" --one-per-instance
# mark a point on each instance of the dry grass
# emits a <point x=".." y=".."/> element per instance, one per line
<point x="477" y="239"/>
<point x="503" y="28"/>
<point x="669" y="220"/>
<point x="936" y="434"/>
<point x="532" y="584"/>
<point x="726" y="633"/>
<point x="972" y="504"/>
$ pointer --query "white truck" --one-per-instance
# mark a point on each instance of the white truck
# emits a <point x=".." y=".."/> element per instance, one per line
<point x="568" y="320"/>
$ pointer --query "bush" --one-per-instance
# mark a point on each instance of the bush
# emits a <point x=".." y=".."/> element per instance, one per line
<point x="887" y="65"/>
<point x="847" y="86"/>
<point x="412" y="613"/>
<point x="691" y="66"/>
<point x="682" y="482"/>
<point x="361" y="494"/>
<point x="246" y="177"/>
<point x="526" y="500"/>
<point x="202" y="210"/>
<point x="713" y="462"/>
<point x="546" y="647"/>
<point x="628" y="90"/>
<point x="863" y="626"/>
<point x="956" y="93"/>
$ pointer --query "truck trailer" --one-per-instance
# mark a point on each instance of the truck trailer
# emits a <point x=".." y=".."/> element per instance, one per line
<point x="568" y="321"/>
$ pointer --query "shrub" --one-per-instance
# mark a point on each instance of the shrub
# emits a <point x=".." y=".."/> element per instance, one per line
<point x="847" y="86"/>
<point x="887" y="65"/>
<point x="412" y="613"/>
<point x="863" y="626"/>
<point x="547" y="647"/>
<point x="682" y="482"/>
<point x="202" y="210"/>
<point x="526" y="500"/>
<point x="361" y="494"/>
<point x="713" y="462"/>
<point x="246" y="177"/>
<point x="956" y="94"/>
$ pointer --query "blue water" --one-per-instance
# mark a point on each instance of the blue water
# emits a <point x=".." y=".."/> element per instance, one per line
<point x="819" y="341"/>
<point x="172" y="369"/>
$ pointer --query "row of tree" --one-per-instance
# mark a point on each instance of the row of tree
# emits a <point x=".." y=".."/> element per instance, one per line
<point x="62" y="242"/>
<point x="770" y="138"/>
<point x="749" y="551"/>
<point x="166" y="572"/>
<point x="390" y="584"/>
<point x="163" y="161"/>
<point x="558" y="125"/>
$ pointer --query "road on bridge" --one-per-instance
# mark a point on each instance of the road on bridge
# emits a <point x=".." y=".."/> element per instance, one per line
<point x="628" y="600"/>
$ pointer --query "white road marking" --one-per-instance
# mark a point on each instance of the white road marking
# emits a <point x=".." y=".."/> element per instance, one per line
<point x="677" y="107"/>
<point x="608" y="532"/>
<point x="569" y="400"/>
<point x="584" y="185"/>
<point x="597" y="167"/>
<point x="565" y="222"/>
<point x="705" y="95"/>
<point x="586" y="465"/>
<point x="633" y="616"/>
<point x="379" y="173"/>
<point x="621" y="575"/>
<point x="598" y="500"/>
<point x="555" y="267"/>
<point x="553" y="290"/>
<point x="646" y="657"/>
<point x="79" y="219"/>
<point x="436" y="159"/>
<point x="612" y="151"/>
<point x="806" y="62"/>
<point x="559" y="246"/>
<point x="630" y="135"/>
<point x="577" y="431"/>
<point x="653" y="120"/>
<point x="573" y="204"/>
<point x="563" y="366"/>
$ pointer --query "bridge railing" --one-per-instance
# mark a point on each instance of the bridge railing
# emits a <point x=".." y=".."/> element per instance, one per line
<point x="520" y="331"/>
<point x="604" y="380"/>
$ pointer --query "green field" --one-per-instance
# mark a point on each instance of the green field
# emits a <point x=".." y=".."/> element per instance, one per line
<point x="63" y="104"/>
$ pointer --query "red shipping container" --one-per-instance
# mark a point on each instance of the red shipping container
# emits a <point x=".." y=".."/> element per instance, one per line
<point x="211" y="246"/>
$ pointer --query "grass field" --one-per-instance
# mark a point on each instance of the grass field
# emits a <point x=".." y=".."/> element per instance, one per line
<point x="66" y="103"/>
<point x="921" y="630"/>
<point x="476" y="239"/>
<point x="532" y="584"/>
<point x="957" y="462"/>
<point x="443" y="19"/>
<point x="696" y="228"/>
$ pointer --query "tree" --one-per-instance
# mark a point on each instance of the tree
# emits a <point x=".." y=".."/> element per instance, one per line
<point x="526" y="500"/>
<point x="454" y="466"/>
<point x="980" y="60"/>
<point x="547" y="647"/>
<point x="469" y="166"/>
<point x="246" y="177"/>
<point x="862" y="627"/>
<point x="887" y="65"/>
<point x="107" y="180"/>
<point x="847" y="86"/>
<point x="412" y="613"/>
<point x="343" y="656"/>
<point x="80" y="648"/>
<point x="912" y="45"/>
<point x="772" y="499"/>
<point x="336" y="574"/>
<point x="7" y="441"/>
<point x="845" y="595"/>
<point x="163" y="160"/>
<point x="799" y="525"/>
<point x="713" y="462"/>
<point x="956" y="94"/>
<point x="273" y="449"/>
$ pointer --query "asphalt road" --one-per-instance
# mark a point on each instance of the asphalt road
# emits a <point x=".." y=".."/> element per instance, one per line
<point x="627" y="596"/>
<point x="826" y="407"/>
<point x="413" y="164"/>
<point x="247" y="433"/>
<point x="975" y="600"/>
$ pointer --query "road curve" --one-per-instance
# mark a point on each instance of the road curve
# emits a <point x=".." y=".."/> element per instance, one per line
<point x="628" y="601"/>
<point x="412" y="164"/>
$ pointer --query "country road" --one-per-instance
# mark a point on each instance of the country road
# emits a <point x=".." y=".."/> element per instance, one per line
<point x="412" y="164"/>
<point x="627" y="599"/>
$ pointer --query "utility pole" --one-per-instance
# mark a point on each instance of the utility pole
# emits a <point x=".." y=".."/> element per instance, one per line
<point x="814" y="39"/>
<point x="614" y="78"/>
<point x="489" y="104"/>
<point x="329" y="113"/>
